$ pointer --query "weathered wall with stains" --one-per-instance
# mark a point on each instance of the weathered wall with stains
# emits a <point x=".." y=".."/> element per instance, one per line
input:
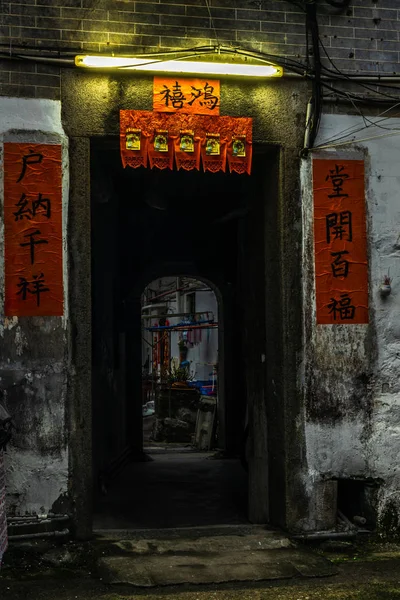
<point x="351" y="373"/>
<point x="33" y="361"/>
<point x="90" y="109"/>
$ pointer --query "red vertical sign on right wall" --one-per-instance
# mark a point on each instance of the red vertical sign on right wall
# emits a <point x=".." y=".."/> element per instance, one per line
<point x="340" y="241"/>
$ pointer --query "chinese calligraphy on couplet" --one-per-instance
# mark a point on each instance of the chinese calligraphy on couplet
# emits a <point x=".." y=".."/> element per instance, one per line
<point x="340" y="238"/>
<point x="33" y="230"/>
<point x="179" y="94"/>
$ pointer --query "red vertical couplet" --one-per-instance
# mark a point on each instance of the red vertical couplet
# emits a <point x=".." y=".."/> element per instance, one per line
<point x="33" y="230"/>
<point x="340" y="237"/>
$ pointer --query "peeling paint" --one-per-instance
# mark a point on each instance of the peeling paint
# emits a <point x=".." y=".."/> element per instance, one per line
<point x="351" y="376"/>
<point x="33" y="359"/>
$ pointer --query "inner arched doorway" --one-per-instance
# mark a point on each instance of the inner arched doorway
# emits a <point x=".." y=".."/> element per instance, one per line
<point x="181" y="362"/>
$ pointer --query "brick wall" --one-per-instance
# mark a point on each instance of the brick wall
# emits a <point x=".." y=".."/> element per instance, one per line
<point x="364" y="38"/>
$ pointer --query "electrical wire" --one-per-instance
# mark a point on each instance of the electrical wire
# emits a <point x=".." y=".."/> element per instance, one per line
<point x="374" y="137"/>
<point x="313" y="122"/>
<point x="289" y="64"/>
<point x="348" y="78"/>
<point x="368" y="100"/>
<point x="212" y="22"/>
<point x="356" y="129"/>
<point x="342" y="4"/>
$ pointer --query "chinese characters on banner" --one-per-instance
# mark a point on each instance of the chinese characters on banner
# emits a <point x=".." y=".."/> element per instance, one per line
<point x="33" y="230"/>
<point x="196" y="96"/>
<point x="340" y="238"/>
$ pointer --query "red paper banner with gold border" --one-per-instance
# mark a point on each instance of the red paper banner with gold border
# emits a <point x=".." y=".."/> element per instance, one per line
<point x="161" y="150"/>
<point x="233" y="137"/>
<point x="340" y="238"/>
<point x="33" y="230"/>
<point x="187" y="95"/>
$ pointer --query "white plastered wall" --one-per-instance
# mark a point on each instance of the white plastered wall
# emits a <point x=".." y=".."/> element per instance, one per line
<point x="360" y="444"/>
<point x="35" y="479"/>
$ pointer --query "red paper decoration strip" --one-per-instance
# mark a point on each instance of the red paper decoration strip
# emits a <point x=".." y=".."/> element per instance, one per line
<point x="33" y="237"/>
<point x="240" y="163"/>
<point x="340" y="239"/>
<point x="231" y="138"/>
<point x="214" y="162"/>
<point x="161" y="150"/>
<point x="187" y="160"/>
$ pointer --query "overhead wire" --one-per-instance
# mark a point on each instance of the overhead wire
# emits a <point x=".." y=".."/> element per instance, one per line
<point x="212" y="22"/>
<point x="374" y="137"/>
<point x="356" y="129"/>
<point x="315" y="104"/>
<point x="348" y="78"/>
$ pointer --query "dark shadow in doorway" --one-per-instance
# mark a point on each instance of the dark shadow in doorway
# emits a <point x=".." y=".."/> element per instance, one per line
<point x="175" y="489"/>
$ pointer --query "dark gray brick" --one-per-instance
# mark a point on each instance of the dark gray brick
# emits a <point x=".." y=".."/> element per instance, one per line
<point x="36" y="79"/>
<point x="346" y="32"/>
<point x="296" y="18"/>
<point x="272" y="26"/>
<point x="382" y="34"/>
<point x="365" y="44"/>
<point x="375" y="13"/>
<point x="86" y="13"/>
<point x="19" y="20"/>
<point x="130" y="6"/>
<point x="132" y="39"/>
<point x="287" y="28"/>
<point x="47" y="69"/>
<point x="60" y="3"/>
<point x="254" y="36"/>
<point x="35" y="33"/>
<point x="158" y="30"/>
<point x="23" y="1"/>
<point x="240" y="25"/>
<point x="176" y="42"/>
<point x="378" y="56"/>
<point x="55" y="23"/>
<point x="188" y="2"/>
<point x="260" y="15"/>
<point x="4" y="76"/>
<point x="216" y="13"/>
<point x="162" y="9"/>
<point x="34" y="11"/>
<point x="84" y="36"/>
<point x="21" y="91"/>
<point x="48" y="92"/>
<point x="87" y="47"/>
<point x="129" y="17"/>
<point x="386" y="45"/>
<point x="184" y="21"/>
<point x="21" y="66"/>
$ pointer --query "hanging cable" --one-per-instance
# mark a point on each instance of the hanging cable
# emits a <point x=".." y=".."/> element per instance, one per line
<point x="341" y="4"/>
<point x="348" y="78"/>
<point x="356" y="129"/>
<point x="314" y="108"/>
<point x="368" y="139"/>
<point x="212" y="22"/>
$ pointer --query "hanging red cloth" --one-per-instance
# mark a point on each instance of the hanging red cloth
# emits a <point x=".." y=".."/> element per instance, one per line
<point x="215" y="139"/>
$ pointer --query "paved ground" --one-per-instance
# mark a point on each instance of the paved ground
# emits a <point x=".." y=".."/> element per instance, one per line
<point x="196" y="489"/>
<point x="364" y="571"/>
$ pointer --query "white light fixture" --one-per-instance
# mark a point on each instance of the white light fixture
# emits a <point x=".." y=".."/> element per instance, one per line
<point x="178" y="66"/>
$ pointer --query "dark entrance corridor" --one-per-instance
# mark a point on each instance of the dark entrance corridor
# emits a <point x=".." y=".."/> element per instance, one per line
<point x="146" y="225"/>
<point x="175" y="489"/>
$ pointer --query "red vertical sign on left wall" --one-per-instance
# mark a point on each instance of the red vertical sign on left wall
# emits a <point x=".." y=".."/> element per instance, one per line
<point x="33" y="230"/>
